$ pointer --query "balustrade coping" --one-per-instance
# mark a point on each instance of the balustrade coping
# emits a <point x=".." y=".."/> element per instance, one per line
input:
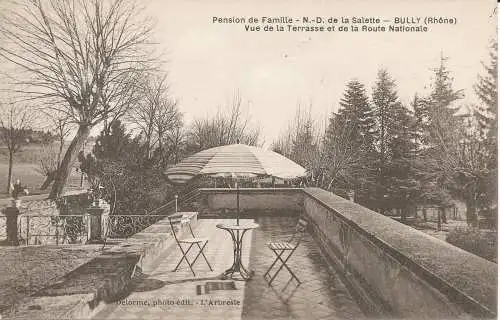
<point x="24" y="215"/>
<point x="427" y="264"/>
<point x="253" y="189"/>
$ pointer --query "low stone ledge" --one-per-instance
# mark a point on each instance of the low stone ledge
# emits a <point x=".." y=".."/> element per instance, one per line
<point x="251" y="190"/>
<point x="33" y="201"/>
<point x="84" y="291"/>
<point x="222" y="202"/>
<point x="467" y="281"/>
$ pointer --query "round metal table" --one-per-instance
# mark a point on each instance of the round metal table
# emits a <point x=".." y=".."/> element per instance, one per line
<point x="237" y="232"/>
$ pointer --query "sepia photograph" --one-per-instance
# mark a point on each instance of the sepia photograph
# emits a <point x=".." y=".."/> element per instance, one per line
<point x="187" y="159"/>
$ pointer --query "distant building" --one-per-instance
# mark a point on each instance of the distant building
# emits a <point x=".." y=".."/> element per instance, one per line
<point x="456" y="211"/>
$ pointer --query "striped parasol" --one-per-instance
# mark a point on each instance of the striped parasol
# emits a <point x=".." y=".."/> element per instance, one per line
<point x="234" y="161"/>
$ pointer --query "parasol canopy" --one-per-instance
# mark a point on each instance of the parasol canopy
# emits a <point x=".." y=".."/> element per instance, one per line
<point x="234" y="161"/>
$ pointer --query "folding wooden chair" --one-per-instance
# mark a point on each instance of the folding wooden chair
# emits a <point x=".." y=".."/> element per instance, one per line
<point x="279" y="248"/>
<point x="179" y="219"/>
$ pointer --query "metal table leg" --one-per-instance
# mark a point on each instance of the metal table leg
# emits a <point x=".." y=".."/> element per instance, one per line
<point x="237" y="267"/>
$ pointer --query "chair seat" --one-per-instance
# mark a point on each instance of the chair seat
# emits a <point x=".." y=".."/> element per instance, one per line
<point x="193" y="240"/>
<point x="280" y="246"/>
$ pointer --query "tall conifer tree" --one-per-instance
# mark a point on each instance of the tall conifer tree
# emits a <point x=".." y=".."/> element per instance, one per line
<point x="349" y="150"/>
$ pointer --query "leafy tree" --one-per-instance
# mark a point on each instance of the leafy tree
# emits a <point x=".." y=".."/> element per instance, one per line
<point x="83" y="58"/>
<point x="356" y="111"/>
<point x="487" y="91"/>
<point x="479" y="144"/>
<point x="401" y="186"/>
<point x="393" y="140"/>
<point x="455" y="162"/>
<point x="385" y="102"/>
<point x="352" y="129"/>
<point x="486" y="115"/>
<point x="119" y="164"/>
<point x="418" y="130"/>
<point x="442" y="106"/>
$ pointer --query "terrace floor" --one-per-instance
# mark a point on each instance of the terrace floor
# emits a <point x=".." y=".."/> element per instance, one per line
<point x="160" y="293"/>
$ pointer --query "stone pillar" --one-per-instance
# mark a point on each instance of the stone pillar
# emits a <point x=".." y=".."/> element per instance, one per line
<point x="105" y="219"/>
<point x="350" y="194"/>
<point x="95" y="225"/>
<point x="11" y="226"/>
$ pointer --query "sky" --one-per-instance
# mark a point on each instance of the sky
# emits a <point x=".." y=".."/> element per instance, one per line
<point x="276" y="71"/>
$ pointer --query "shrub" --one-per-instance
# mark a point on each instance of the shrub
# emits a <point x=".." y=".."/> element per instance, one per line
<point x="482" y="243"/>
<point x="130" y="179"/>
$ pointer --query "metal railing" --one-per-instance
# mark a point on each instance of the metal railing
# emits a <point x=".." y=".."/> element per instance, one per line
<point x="3" y="228"/>
<point x="123" y="226"/>
<point x="177" y="204"/>
<point x="52" y="229"/>
<point x="36" y="229"/>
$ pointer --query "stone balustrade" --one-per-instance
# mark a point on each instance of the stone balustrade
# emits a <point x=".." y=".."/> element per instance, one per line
<point x="391" y="268"/>
<point x="394" y="269"/>
<point x="41" y="221"/>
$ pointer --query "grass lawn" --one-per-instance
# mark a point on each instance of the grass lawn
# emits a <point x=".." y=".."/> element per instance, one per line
<point x="26" y="170"/>
<point x="480" y="242"/>
<point x="26" y="270"/>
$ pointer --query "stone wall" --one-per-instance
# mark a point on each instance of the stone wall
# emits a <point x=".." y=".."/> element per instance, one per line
<point x="72" y="201"/>
<point x="221" y="202"/>
<point x="396" y="269"/>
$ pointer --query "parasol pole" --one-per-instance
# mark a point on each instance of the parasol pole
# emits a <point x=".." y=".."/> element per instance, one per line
<point x="237" y="203"/>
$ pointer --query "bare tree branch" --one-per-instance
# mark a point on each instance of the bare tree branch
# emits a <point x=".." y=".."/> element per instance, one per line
<point x="15" y="121"/>
<point x="86" y="57"/>
<point x="226" y="127"/>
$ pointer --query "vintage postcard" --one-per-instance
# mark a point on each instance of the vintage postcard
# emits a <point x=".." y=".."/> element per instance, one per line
<point x="186" y="159"/>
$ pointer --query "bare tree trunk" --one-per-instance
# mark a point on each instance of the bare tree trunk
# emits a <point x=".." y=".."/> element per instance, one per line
<point x="148" y="146"/>
<point x="106" y="127"/>
<point x="68" y="160"/>
<point x="471" y="212"/>
<point x="439" y="219"/>
<point x="329" y="185"/>
<point x="160" y="145"/>
<point x="403" y="214"/>
<point x="51" y="176"/>
<point x="9" y="177"/>
<point x="59" y="153"/>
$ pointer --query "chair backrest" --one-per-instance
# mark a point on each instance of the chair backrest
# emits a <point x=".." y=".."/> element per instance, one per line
<point x="300" y="231"/>
<point x="301" y="225"/>
<point x="178" y="219"/>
